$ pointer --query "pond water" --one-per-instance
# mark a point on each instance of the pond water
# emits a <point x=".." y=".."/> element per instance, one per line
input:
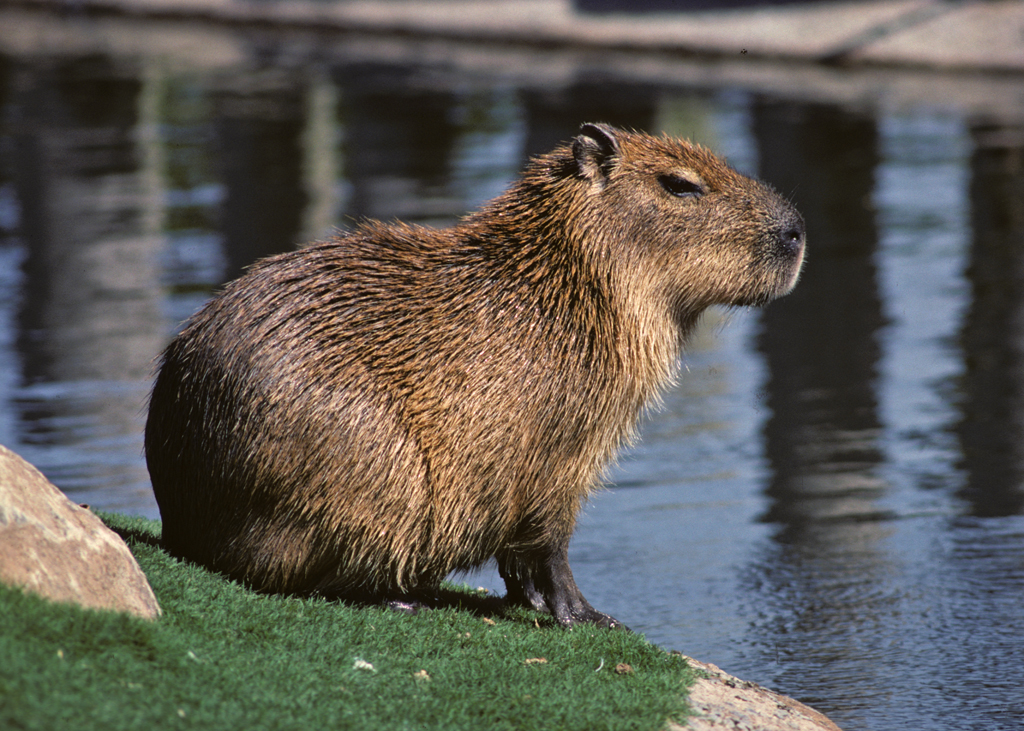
<point x="830" y="503"/>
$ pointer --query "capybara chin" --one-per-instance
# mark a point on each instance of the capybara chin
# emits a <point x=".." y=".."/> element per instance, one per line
<point x="363" y="416"/>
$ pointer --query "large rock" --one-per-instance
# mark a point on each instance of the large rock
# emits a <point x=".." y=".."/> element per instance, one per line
<point x="54" y="548"/>
<point x="724" y="703"/>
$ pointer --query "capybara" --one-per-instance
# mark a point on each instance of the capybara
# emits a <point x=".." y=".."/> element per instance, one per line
<point x="361" y="417"/>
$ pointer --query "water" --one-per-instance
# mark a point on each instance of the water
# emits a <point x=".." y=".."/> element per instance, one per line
<point x="830" y="503"/>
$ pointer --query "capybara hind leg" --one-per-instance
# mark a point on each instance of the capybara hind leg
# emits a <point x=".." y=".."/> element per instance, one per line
<point x="520" y="589"/>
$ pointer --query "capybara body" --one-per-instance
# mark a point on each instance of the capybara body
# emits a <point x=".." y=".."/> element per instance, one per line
<point x="361" y="417"/>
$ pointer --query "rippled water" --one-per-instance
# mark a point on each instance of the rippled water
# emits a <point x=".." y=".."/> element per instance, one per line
<point x="830" y="502"/>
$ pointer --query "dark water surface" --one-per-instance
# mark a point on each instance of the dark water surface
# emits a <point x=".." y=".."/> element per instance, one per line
<point x="830" y="503"/>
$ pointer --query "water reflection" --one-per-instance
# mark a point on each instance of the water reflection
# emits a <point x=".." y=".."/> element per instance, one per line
<point x="821" y="439"/>
<point x="821" y="341"/>
<point x="397" y="162"/>
<point x="83" y="168"/>
<point x="551" y="113"/>
<point x="260" y="121"/>
<point x="90" y="219"/>
<point x="992" y="427"/>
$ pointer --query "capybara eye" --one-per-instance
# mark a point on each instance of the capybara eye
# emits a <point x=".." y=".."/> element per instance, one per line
<point x="680" y="187"/>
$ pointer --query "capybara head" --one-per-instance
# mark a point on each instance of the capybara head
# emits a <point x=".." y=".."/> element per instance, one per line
<point x="710" y="235"/>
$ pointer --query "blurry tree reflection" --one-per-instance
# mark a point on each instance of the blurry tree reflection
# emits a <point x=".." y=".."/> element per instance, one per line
<point x="992" y="426"/>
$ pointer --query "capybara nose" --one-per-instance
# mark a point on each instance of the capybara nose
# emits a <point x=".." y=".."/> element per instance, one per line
<point x="793" y="235"/>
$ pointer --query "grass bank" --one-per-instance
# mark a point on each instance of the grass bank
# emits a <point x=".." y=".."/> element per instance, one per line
<point x="223" y="657"/>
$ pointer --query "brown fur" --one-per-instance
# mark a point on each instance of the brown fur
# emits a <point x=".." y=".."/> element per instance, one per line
<point x="365" y="415"/>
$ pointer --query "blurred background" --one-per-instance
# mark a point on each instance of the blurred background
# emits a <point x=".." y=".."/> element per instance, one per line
<point x="831" y="502"/>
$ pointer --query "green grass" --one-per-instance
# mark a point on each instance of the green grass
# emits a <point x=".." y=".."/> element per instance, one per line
<point x="222" y="657"/>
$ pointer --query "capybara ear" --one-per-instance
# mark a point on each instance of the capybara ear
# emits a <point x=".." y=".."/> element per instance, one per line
<point x="596" y="149"/>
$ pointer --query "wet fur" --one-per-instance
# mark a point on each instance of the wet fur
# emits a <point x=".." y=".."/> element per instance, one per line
<point x="365" y="415"/>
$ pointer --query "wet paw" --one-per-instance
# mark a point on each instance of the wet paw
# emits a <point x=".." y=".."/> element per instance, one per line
<point x="592" y="616"/>
<point x="611" y="623"/>
<point x="605" y="620"/>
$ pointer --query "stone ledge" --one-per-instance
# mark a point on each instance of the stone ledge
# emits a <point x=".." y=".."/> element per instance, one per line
<point x="976" y="36"/>
<point x="724" y="702"/>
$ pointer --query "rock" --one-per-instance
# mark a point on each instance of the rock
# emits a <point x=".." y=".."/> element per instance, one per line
<point x="721" y="701"/>
<point x="57" y="549"/>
